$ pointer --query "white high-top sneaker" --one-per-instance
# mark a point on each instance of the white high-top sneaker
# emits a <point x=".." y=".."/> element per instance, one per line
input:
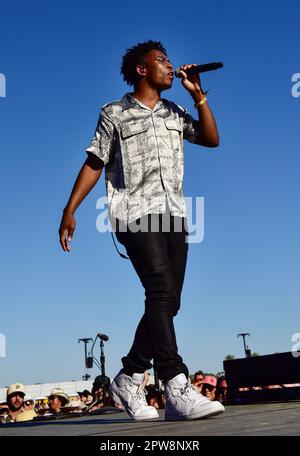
<point x="129" y="391"/>
<point x="183" y="402"/>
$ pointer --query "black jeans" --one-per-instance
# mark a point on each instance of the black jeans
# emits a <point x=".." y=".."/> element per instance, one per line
<point x="159" y="258"/>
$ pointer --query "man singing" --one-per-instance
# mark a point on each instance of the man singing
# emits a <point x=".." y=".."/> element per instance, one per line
<point x="139" y="141"/>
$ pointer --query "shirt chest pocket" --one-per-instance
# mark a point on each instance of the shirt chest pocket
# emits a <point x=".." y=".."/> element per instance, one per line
<point x="134" y="138"/>
<point x="173" y="133"/>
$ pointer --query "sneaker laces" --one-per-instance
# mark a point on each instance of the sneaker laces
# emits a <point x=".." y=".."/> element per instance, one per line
<point x="140" y="395"/>
<point x="188" y="390"/>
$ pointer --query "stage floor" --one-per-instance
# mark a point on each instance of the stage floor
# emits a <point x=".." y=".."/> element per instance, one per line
<point x="247" y="420"/>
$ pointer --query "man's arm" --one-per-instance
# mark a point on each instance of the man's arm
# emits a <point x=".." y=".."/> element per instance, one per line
<point x="209" y="136"/>
<point x="88" y="176"/>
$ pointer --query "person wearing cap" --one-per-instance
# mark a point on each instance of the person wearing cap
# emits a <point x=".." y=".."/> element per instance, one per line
<point x="98" y="384"/>
<point x="209" y="387"/>
<point x="28" y="403"/>
<point x="85" y="397"/>
<point x="57" y="400"/>
<point x="15" y="401"/>
<point x="97" y="393"/>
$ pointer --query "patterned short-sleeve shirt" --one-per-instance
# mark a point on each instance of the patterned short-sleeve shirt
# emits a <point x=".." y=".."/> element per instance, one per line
<point x="142" y="150"/>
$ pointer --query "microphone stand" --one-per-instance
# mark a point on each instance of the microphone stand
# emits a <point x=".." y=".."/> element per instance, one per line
<point x="102" y="364"/>
<point x="102" y="338"/>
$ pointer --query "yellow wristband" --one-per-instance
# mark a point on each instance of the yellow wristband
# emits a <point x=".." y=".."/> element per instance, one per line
<point x="200" y="103"/>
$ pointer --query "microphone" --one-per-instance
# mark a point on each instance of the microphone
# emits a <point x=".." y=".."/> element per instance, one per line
<point x="200" y="68"/>
<point x="103" y="337"/>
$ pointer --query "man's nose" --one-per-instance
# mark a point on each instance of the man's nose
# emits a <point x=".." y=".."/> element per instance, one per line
<point x="169" y="64"/>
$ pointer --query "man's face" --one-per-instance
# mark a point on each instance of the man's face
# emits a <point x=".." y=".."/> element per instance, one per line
<point x="55" y="403"/>
<point x="16" y="401"/>
<point x="159" y="70"/>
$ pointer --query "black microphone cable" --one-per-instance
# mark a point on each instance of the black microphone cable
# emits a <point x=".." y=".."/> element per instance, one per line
<point x="121" y="254"/>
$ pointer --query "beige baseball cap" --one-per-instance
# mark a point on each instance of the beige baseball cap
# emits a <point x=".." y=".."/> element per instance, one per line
<point x="16" y="388"/>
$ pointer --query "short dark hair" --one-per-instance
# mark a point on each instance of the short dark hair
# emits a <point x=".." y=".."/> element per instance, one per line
<point x="134" y="56"/>
<point x="63" y="401"/>
<point x="199" y="372"/>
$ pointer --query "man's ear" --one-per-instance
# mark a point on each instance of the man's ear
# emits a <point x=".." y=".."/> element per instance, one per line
<point x="141" y="70"/>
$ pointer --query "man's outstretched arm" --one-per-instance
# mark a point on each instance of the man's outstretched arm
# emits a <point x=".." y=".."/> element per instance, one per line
<point x="88" y="176"/>
<point x="209" y="136"/>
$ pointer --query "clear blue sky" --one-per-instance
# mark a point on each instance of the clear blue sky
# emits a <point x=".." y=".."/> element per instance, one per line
<point x="61" y="61"/>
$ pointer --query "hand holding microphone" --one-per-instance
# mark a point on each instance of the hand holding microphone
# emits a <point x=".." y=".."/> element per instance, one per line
<point x="190" y="78"/>
<point x="200" y="68"/>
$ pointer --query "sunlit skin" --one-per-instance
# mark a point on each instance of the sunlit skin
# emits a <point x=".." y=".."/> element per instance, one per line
<point x="15" y="404"/>
<point x="155" y="75"/>
<point x="55" y="404"/>
<point x="198" y="381"/>
<point x="156" y="72"/>
<point x="16" y="401"/>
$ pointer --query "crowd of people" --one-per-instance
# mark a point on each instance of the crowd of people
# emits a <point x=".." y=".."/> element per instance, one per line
<point x="19" y="406"/>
